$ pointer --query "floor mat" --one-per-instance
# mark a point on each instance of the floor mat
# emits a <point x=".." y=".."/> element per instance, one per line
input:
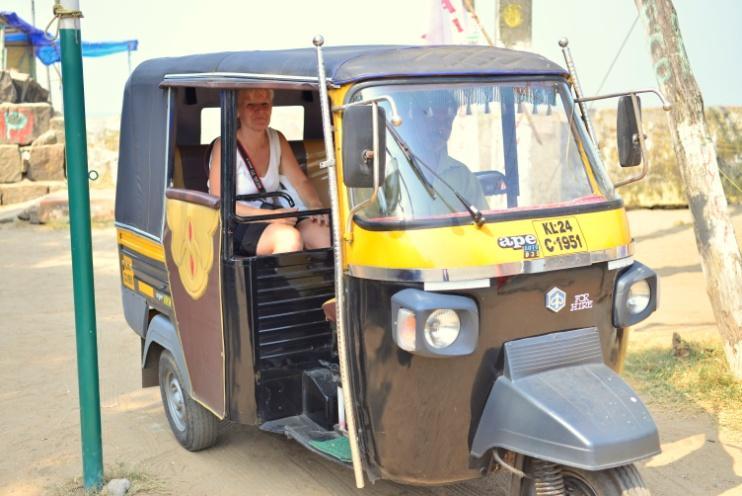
<point x="337" y="448"/>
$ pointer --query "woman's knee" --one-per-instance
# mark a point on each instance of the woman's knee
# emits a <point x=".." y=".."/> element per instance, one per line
<point x="286" y="238"/>
<point x="315" y="235"/>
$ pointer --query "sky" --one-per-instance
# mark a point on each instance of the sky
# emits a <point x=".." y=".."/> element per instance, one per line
<point x="595" y="29"/>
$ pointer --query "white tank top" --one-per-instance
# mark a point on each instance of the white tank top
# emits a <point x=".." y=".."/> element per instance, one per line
<point x="271" y="182"/>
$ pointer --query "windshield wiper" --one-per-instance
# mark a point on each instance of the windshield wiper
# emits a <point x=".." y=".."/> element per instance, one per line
<point x="412" y="160"/>
<point x="415" y="162"/>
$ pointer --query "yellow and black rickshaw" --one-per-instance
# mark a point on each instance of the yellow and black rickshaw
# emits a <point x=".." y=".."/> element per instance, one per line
<point x="472" y="313"/>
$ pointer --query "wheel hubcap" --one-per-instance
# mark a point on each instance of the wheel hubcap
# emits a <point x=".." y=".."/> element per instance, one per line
<point x="175" y="401"/>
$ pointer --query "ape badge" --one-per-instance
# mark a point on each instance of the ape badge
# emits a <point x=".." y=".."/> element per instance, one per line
<point x="526" y="242"/>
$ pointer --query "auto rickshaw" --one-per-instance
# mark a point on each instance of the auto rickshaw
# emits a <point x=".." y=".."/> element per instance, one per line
<point x="473" y="311"/>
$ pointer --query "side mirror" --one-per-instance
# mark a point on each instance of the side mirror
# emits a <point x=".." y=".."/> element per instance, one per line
<point x="627" y="132"/>
<point x="359" y="152"/>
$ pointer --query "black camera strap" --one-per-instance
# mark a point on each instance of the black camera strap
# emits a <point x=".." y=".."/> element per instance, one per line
<point x="250" y="168"/>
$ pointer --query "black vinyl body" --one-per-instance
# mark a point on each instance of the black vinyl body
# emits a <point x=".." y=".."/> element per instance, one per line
<point x="418" y="415"/>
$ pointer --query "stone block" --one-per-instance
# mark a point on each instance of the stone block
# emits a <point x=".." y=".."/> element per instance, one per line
<point x="55" y="207"/>
<point x="8" y="92"/>
<point x="21" y="192"/>
<point x="48" y="138"/>
<point x="56" y="124"/>
<point x="22" y="123"/>
<point x="46" y="163"/>
<point x="11" y="166"/>
<point x="25" y="157"/>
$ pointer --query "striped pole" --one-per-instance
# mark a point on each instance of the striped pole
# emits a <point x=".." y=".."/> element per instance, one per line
<point x="81" y="243"/>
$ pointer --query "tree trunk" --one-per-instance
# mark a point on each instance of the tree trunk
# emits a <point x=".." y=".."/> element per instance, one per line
<point x="715" y="239"/>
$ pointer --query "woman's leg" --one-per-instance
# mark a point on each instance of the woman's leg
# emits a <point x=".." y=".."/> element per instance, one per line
<point x="279" y="238"/>
<point x="314" y="234"/>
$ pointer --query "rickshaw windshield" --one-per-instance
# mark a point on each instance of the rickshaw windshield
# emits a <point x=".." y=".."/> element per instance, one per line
<point x="497" y="147"/>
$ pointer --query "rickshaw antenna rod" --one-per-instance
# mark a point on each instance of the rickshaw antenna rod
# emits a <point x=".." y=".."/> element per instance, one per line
<point x="337" y="241"/>
<point x="68" y="13"/>
<point x="564" y="44"/>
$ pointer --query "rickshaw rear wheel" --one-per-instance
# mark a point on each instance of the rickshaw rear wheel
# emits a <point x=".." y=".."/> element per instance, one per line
<point x="194" y="426"/>
<point x="620" y="481"/>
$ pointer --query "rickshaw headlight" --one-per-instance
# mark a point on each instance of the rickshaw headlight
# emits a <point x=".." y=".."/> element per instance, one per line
<point x="639" y="295"/>
<point x="635" y="295"/>
<point x="434" y="325"/>
<point x="442" y="328"/>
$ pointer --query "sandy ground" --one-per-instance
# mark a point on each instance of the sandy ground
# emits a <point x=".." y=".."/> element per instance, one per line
<point x="39" y="437"/>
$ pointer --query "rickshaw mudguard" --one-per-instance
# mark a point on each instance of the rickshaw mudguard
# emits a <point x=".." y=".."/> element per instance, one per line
<point x="162" y="331"/>
<point x="558" y="401"/>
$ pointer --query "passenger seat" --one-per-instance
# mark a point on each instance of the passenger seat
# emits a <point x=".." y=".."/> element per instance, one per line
<point x="191" y="167"/>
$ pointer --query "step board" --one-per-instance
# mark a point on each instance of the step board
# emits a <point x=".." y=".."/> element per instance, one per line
<point x="329" y="444"/>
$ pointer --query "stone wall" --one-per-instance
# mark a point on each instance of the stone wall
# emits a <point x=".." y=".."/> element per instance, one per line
<point x="663" y="186"/>
<point x="31" y="151"/>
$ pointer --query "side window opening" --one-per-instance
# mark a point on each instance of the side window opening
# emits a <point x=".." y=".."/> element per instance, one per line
<point x="198" y="117"/>
<point x="287" y="119"/>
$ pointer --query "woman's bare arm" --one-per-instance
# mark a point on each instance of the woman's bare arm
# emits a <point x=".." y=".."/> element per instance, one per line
<point x="291" y="169"/>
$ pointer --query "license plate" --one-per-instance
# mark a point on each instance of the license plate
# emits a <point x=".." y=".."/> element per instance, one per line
<point x="560" y="236"/>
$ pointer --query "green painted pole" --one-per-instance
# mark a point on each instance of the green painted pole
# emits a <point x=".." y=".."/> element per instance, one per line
<point x="81" y="244"/>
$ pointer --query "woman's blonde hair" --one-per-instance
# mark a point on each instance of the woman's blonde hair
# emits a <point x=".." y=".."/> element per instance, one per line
<point x="254" y="92"/>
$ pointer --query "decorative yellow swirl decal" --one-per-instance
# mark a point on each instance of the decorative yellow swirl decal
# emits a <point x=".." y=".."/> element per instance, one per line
<point x="192" y="244"/>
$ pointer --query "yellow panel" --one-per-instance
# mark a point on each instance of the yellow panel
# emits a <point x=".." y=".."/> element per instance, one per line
<point x="141" y="245"/>
<point x="468" y="246"/>
<point x="146" y="289"/>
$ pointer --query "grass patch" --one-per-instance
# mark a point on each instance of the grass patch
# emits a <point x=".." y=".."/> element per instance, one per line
<point x="142" y="484"/>
<point x="702" y="378"/>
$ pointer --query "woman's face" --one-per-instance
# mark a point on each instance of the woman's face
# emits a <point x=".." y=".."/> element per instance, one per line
<point x="254" y="109"/>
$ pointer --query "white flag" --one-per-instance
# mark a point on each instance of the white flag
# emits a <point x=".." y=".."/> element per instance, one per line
<point x="449" y="23"/>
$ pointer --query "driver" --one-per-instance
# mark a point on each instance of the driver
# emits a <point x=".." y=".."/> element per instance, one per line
<point x="436" y="111"/>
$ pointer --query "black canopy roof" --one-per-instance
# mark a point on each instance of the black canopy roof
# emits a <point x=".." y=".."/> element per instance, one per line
<point x="143" y="150"/>
<point x="348" y="64"/>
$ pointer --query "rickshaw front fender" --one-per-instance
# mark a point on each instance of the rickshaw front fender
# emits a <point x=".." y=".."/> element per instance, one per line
<point x="558" y="401"/>
<point x="162" y="332"/>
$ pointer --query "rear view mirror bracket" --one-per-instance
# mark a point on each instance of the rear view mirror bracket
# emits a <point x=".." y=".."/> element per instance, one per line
<point x="357" y="155"/>
<point x="629" y="130"/>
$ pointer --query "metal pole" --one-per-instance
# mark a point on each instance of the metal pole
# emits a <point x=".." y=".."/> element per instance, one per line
<point x="81" y="243"/>
<point x="2" y="47"/>
<point x="564" y="44"/>
<point x="49" y="85"/>
<point x="337" y="240"/>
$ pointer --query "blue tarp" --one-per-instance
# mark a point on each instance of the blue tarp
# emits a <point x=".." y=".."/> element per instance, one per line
<point x="48" y="51"/>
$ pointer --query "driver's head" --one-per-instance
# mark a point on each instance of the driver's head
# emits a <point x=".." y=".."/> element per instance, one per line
<point x="437" y="110"/>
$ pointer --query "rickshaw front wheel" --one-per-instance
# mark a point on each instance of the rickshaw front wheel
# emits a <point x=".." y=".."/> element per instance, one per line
<point x="620" y="481"/>
<point x="194" y="427"/>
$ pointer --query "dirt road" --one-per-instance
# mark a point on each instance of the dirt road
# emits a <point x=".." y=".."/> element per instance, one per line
<point x="39" y="437"/>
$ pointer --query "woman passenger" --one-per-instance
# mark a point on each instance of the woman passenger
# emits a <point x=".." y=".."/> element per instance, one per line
<point x="271" y="156"/>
